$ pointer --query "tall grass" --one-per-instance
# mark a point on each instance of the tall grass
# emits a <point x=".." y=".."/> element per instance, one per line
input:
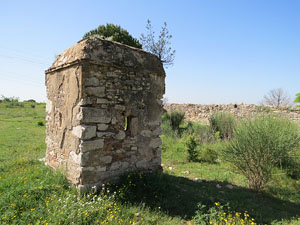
<point x="223" y="124"/>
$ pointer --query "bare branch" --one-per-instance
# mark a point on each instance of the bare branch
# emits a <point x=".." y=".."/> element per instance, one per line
<point x="278" y="98"/>
<point x="161" y="48"/>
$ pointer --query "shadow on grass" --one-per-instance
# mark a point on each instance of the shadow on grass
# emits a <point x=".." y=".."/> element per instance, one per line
<point x="179" y="196"/>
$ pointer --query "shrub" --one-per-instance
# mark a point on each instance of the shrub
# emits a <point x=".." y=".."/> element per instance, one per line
<point x="208" y="155"/>
<point x="14" y="104"/>
<point x="114" y="32"/>
<point x="203" y="132"/>
<point x="31" y="100"/>
<point x="175" y="119"/>
<point x="191" y="144"/>
<point x="259" y="145"/>
<point x="9" y="99"/>
<point x="222" y="123"/>
<point x="32" y="106"/>
<point x="40" y="123"/>
<point x="166" y="127"/>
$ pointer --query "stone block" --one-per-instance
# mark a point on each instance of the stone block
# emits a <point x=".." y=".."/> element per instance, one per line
<point x="93" y="81"/>
<point x="94" y="115"/>
<point x="84" y="132"/>
<point x="121" y="135"/>
<point x="101" y="101"/>
<point x="96" y="91"/>
<point x="86" y="146"/>
<point x="102" y="126"/>
<point x="106" y="159"/>
<point x="154" y="143"/>
<point x="104" y="134"/>
<point x="116" y="165"/>
<point x="157" y="131"/>
<point x="146" y="133"/>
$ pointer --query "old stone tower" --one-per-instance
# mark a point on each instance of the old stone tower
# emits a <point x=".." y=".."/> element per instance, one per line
<point x="103" y="111"/>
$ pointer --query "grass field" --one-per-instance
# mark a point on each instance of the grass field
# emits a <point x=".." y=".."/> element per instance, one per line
<point x="30" y="193"/>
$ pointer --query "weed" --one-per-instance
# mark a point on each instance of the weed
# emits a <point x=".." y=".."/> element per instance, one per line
<point x="222" y="123"/>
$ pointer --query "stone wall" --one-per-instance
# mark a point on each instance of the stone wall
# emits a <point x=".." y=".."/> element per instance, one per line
<point x="103" y="112"/>
<point x="201" y="113"/>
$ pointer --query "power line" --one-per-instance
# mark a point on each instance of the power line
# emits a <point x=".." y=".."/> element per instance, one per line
<point x="21" y="53"/>
<point x="17" y="80"/>
<point x="24" y="59"/>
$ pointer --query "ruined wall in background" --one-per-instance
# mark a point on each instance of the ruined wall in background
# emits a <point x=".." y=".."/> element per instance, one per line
<point x="202" y="113"/>
<point x="103" y="112"/>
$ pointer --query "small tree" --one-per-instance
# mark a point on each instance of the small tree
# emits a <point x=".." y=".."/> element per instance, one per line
<point x="114" y="33"/>
<point x="191" y="144"/>
<point x="161" y="48"/>
<point x="297" y="100"/>
<point x="259" y="145"/>
<point x="277" y="97"/>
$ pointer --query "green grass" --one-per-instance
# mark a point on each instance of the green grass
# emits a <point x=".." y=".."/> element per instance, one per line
<point x="30" y="193"/>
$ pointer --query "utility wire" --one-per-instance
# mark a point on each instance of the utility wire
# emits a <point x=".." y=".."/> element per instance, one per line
<point x="22" y="54"/>
<point x="24" y="59"/>
<point x="17" y="80"/>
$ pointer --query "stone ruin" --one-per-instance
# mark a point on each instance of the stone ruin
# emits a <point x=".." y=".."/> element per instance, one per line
<point x="103" y="112"/>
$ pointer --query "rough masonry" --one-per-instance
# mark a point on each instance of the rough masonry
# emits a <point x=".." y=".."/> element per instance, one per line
<point x="103" y="112"/>
<point x="202" y="113"/>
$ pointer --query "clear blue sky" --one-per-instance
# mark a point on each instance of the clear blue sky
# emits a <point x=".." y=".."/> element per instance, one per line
<point x="231" y="51"/>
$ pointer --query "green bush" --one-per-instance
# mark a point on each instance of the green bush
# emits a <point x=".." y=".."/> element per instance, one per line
<point x="40" y="123"/>
<point x="11" y="102"/>
<point x="259" y="145"/>
<point x="208" y="155"/>
<point x="191" y="144"/>
<point x="175" y="119"/>
<point x="114" y="32"/>
<point x="202" y="132"/>
<point x="166" y="127"/>
<point x="9" y="99"/>
<point x="222" y="123"/>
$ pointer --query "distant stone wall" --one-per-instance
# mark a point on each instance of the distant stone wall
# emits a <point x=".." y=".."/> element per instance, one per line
<point x="201" y="113"/>
<point x="103" y="112"/>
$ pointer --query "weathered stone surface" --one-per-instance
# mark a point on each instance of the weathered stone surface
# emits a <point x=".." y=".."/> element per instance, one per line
<point x="116" y="165"/>
<point x="103" y="111"/>
<point x="101" y="101"/>
<point x="121" y="135"/>
<point x="141" y="164"/>
<point x="96" y="168"/>
<point x="157" y="131"/>
<point x="102" y="126"/>
<point x="93" y="115"/>
<point x="106" y="159"/>
<point x="101" y="134"/>
<point x="154" y="143"/>
<point x="86" y="146"/>
<point x="76" y="157"/>
<point x="146" y="133"/>
<point x="84" y="132"/>
<point x="96" y="91"/>
<point x="93" y="81"/>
